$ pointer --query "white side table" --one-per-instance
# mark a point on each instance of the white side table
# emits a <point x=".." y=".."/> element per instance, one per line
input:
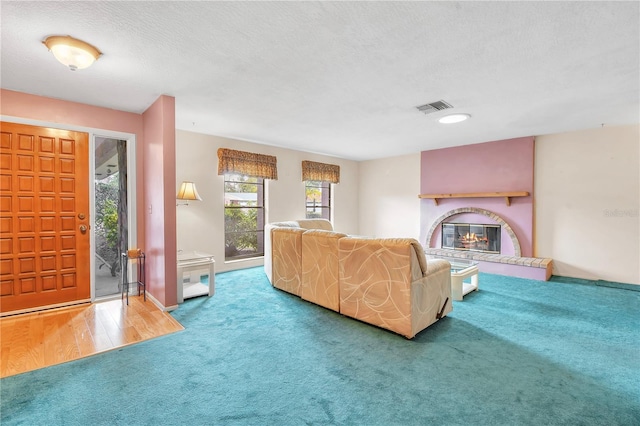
<point x="195" y="262"/>
<point x="461" y="270"/>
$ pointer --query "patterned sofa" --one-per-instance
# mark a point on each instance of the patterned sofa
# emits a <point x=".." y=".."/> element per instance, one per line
<point x="302" y="224"/>
<point x="387" y="282"/>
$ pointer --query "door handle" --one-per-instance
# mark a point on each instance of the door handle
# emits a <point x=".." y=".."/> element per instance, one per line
<point x="83" y="229"/>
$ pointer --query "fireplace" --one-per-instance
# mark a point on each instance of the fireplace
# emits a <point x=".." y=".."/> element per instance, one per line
<point x="471" y="237"/>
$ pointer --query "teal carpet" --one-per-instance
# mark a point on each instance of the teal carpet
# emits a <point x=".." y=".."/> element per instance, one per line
<point x="518" y="352"/>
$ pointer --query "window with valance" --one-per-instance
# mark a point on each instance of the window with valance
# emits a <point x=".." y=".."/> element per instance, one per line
<point x="247" y="163"/>
<point x="317" y="178"/>
<point x="244" y="200"/>
<point x="320" y="172"/>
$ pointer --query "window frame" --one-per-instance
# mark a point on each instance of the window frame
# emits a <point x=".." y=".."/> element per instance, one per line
<point x="325" y="202"/>
<point x="234" y="178"/>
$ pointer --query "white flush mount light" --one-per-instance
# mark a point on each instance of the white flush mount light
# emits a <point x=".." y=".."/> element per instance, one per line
<point x="453" y="118"/>
<point x="73" y="53"/>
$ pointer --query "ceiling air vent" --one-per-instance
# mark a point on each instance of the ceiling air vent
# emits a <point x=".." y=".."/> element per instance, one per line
<point x="434" y="107"/>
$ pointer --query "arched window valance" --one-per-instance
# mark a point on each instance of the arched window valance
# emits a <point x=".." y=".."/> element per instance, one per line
<point x="247" y="163"/>
<point x="320" y="172"/>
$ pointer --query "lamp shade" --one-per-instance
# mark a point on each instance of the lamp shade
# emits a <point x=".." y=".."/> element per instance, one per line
<point x="188" y="191"/>
<point x="73" y="53"/>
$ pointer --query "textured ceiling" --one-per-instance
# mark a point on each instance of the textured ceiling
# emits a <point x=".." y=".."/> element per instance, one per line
<point x="341" y="78"/>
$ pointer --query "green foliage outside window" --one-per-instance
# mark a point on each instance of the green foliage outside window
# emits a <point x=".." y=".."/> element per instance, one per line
<point x="240" y="231"/>
<point x="243" y="216"/>
<point x="318" y="199"/>
<point x="110" y="222"/>
<point x="107" y="223"/>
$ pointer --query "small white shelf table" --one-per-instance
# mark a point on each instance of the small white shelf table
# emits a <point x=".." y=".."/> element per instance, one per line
<point x="461" y="270"/>
<point x="194" y="263"/>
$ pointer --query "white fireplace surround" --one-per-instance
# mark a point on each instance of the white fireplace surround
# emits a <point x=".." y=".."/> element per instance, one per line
<point x="505" y="226"/>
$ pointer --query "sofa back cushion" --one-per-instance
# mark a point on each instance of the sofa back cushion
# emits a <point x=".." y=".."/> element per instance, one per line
<point x="320" y="268"/>
<point x="323" y="224"/>
<point x="375" y="281"/>
<point x="286" y="253"/>
<point x="302" y="223"/>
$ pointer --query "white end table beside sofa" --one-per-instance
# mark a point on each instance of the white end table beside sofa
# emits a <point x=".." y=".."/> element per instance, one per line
<point x="193" y="263"/>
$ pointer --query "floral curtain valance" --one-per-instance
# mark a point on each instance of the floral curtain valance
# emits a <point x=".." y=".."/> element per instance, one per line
<point x="320" y="172"/>
<point x="247" y="163"/>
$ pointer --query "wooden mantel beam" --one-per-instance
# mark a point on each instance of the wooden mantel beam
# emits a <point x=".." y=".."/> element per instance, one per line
<point x="507" y="195"/>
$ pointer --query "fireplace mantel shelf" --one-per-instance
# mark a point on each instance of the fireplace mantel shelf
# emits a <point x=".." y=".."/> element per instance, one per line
<point x="506" y="195"/>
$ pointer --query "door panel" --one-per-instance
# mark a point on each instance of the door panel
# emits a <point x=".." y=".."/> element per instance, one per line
<point x="44" y="217"/>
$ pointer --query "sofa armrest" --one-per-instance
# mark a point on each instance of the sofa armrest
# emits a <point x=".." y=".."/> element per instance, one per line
<point x="287" y="258"/>
<point x="436" y="265"/>
<point x="431" y="296"/>
<point x="268" y="254"/>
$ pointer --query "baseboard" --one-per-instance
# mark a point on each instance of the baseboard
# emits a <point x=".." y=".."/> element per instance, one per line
<point x="599" y="283"/>
<point x="623" y="286"/>
<point x="160" y="305"/>
<point x="45" y="308"/>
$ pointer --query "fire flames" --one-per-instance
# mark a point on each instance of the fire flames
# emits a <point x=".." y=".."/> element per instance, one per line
<point x="471" y="240"/>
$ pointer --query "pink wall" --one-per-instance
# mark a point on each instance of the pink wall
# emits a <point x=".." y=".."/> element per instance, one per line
<point x="17" y="104"/>
<point x="159" y="122"/>
<point x="160" y="198"/>
<point x="47" y="110"/>
<point x="499" y="166"/>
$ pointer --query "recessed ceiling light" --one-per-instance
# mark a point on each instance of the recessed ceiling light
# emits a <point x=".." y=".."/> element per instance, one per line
<point x="453" y="118"/>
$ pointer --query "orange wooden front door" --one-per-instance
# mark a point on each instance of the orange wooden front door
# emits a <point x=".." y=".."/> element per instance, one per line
<point x="44" y="217"/>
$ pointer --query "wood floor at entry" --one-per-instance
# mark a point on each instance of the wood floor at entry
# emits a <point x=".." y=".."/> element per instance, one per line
<point x="42" y="339"/>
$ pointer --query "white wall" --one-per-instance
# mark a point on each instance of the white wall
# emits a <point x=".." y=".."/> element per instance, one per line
<point x="389" y="203"/>
<point x="200" y="225"/>
<point x="587" y="203"/>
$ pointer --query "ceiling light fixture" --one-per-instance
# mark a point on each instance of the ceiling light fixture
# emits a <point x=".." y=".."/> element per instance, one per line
<point x="453" y="118"/>
<point x="73" y="53"/>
